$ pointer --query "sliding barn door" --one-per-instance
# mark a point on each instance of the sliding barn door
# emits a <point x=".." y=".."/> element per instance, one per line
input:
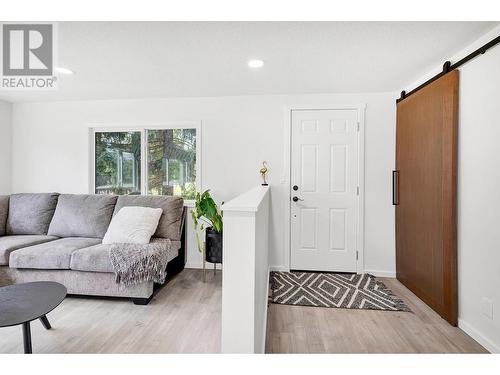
<point x="425" y="194"/>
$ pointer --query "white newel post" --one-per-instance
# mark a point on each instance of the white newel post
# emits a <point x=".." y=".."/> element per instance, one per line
<point x="245" y="279"/>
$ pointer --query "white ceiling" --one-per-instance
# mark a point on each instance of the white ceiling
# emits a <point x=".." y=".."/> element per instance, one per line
<point x="115" y="60"/>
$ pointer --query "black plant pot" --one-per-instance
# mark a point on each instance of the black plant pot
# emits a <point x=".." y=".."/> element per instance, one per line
<point x="213" y="249"/>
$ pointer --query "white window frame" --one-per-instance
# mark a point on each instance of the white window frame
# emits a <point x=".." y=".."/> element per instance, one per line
<point x="142" y="128"/>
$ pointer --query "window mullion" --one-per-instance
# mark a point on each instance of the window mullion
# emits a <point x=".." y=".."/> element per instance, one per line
<point x="144" y="162"/>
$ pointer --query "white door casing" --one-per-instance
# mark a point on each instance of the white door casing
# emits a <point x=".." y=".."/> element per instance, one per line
<point x="324" y="222"/>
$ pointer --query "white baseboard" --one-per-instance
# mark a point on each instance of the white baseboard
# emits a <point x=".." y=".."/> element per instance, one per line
<point x="278" y="269"/>
<point x="391" y="274"/>
<point x="209" y="266"/>
<point x="478" y="336"/>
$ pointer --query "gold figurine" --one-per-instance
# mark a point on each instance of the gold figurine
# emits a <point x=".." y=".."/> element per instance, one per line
<point x="263" y="172"/>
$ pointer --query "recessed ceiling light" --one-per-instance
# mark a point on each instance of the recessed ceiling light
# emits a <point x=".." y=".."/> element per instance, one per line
<point x="65" y="71"/>
<point x="256" y="63"/>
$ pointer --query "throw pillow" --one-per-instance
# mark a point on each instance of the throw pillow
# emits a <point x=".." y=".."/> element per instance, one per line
<point x="133" y="225"/>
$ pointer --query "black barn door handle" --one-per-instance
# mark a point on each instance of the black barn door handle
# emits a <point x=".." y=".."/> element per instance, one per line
<point x="395" y="188"/>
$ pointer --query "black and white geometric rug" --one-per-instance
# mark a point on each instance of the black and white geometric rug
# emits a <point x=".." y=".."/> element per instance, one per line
<point x="344" y="290"/>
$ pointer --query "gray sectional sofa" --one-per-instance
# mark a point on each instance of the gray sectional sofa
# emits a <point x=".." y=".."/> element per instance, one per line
<point x="57" y="237"/>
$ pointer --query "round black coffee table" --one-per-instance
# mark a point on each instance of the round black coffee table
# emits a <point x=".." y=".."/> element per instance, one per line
<point x="22" y="303"/>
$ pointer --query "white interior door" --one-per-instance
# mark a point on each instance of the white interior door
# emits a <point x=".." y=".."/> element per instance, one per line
<point x="324" y="189"/>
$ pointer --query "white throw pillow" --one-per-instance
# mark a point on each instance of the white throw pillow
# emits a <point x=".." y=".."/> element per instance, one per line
<point x="133" y="225"/>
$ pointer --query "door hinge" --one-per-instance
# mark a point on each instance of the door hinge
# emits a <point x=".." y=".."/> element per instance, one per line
<point x="358" y="126"/>
<point x="357" y="190"/>
<point x="357" y="255"/>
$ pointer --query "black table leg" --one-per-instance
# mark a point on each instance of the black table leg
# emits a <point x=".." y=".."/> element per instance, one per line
<point x="27" y="338"/>
<point x="45" y="322"/>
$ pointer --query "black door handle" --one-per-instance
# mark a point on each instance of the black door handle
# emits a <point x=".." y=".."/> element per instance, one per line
<point x="296" y="199"/>
<point x="395" y="188"/>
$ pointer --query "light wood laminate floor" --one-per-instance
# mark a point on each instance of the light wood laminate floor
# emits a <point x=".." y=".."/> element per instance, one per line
<point x="183" y="317"/>
<point x="300" y="329"/>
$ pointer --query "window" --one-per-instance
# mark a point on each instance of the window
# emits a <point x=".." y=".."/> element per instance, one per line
<point x="152" y="161"/>
<point x="118" y="163"/>
<point x="172" y="162"/>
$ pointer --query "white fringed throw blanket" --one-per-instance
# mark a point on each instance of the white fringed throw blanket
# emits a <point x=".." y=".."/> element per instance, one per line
<point x="135" y="264"/>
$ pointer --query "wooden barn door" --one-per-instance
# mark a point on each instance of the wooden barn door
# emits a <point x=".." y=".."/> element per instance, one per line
<point x="425" y="194"/>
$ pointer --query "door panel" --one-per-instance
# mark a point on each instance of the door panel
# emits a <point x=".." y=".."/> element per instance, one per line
<point x="426" y="136"/>
<point x="324" y="166"/>
<point x="337" y="229"/>
<point x="338" y="168"/>
<point x="308" y="228"/>
<point x="309" y="168"/>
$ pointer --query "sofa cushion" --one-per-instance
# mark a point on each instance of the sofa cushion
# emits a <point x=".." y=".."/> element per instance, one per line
<point x="10" y="243"/>
<point x="96" y="258"/>
<point x="30" y="213"/>
<point x="53" y="255"/>
<point x="4" y="211"/>
<point x="82" y="215"/>
<point x="171" y="221"/>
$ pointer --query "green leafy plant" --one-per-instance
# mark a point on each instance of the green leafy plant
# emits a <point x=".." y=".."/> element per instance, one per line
<point x="206" y="214"/>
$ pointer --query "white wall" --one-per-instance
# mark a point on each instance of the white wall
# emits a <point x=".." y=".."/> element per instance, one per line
<point x="479" y="193"/>
<point x="51" y="152"/>
<point x="5" y="146"/>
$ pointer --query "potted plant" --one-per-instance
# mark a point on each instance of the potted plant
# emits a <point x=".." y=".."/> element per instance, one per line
<point x="207" y="215"/>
